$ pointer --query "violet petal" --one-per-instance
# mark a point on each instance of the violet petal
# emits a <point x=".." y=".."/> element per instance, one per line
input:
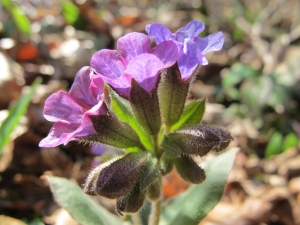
<point x="167" y="53"/>
<point x="80" y="90"/>
<point x="97" y="87"/>
<point x="133" y="44"/>
<point x="58" y="134"/>
<point x="108" y="63"/>
<point x="213" y="42"/>
<point x="145" y="69"/>
<point x="61" y="106"/>
<point x="191" y="30"/>
<point x="159" y="32"/>
<point x="189" y="58"/>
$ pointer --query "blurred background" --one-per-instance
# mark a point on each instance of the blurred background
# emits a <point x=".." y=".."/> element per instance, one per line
<point x="252" y="87"/>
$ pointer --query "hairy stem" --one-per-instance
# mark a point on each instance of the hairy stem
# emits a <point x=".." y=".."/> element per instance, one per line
<point x="156" y="209"/>
<point x="155" y="144"/>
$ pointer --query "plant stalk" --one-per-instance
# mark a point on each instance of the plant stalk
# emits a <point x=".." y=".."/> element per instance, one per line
<point x="156" y="208"/>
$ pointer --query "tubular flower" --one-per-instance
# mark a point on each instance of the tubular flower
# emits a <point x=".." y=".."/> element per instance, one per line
<point x="135" y="59"/>
<point x="71" y="111"/>
<point x="191" y="48"/>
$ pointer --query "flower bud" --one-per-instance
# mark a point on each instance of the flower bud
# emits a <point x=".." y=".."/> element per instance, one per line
<point x="199" y="140"/>
<point x="172" y="92"/>
<point x="119" y="178"/>
<point x="166" y="164"/>
<point x="91" y="180"/>
<point x="131" y="202"/>
<point x="145" y="108"/>
<point x="153" y="191"/>
<point x="189" y="170"/>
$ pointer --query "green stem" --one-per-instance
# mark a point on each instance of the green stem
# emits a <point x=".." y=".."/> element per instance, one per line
<point x="156" y="208"/>
<point x="136" y="219"/>
<point x="155" y="143"/>
<point x="167" y="129"/>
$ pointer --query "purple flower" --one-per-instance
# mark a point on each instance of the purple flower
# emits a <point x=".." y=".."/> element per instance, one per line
<point x="71" y="111"/>
<point x="135" y="59"/>
<point x="191" y="48"/>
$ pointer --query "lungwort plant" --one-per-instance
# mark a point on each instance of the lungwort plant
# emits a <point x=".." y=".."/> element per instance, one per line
<point x="134" y="98"/>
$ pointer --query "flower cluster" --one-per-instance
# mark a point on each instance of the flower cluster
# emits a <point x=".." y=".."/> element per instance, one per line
<point x="143" y="111"/>
<point x="134" y="59"/>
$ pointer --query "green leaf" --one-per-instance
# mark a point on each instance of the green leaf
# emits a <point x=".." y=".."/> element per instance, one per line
<point x="80" y="206"/>
<point x="20" y="19"/>
<point x="274" y="146"/>
<point x="290" y="141"/>
<point x="193" y="205"/>
<point x="122" y="110"/>
<point x="70" y="12"/>
<point x="15" y="113"/>
<point x="191" y="115"/>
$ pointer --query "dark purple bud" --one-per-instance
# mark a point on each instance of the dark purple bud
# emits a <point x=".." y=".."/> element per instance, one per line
<point x="153" y="191"/>
<point x="199" y="140"/>
<point x="189" y="170"/>
<point x="91" y="180"/>
<point x="131" y="202"/>
<point x="119" y="178"/>
<point x="166" y="164"/>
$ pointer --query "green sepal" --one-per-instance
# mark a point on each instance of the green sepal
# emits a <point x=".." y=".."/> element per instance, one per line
<point x="131" y="202"/>
<point x="189" y="170"/>
<point x="145" y="108"/>
<point x="150" y="173"/>
<point x="170" y="148"/>
<point x="112" y="131"/>
<point x="191" y="115"/>
<point x="172" y="92"/>
<point x="119" y="177"/>
<point x="122" y="109"/>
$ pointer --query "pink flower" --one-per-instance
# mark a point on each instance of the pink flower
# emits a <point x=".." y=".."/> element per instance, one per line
<point x="135" y="59"/>
<point x="71" y="111"/>
<point x="191" y="48"/>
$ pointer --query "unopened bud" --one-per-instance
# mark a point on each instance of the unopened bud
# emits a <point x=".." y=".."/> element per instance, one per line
<point x="120" y="177"/>
<point x="131" y="202"/>
<point x="153" y="191"/>
<point x="91" y="180"/>
<point x="189" y="170"/>
<point x="166" y="164"/>
<point x="199" y="140"/>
